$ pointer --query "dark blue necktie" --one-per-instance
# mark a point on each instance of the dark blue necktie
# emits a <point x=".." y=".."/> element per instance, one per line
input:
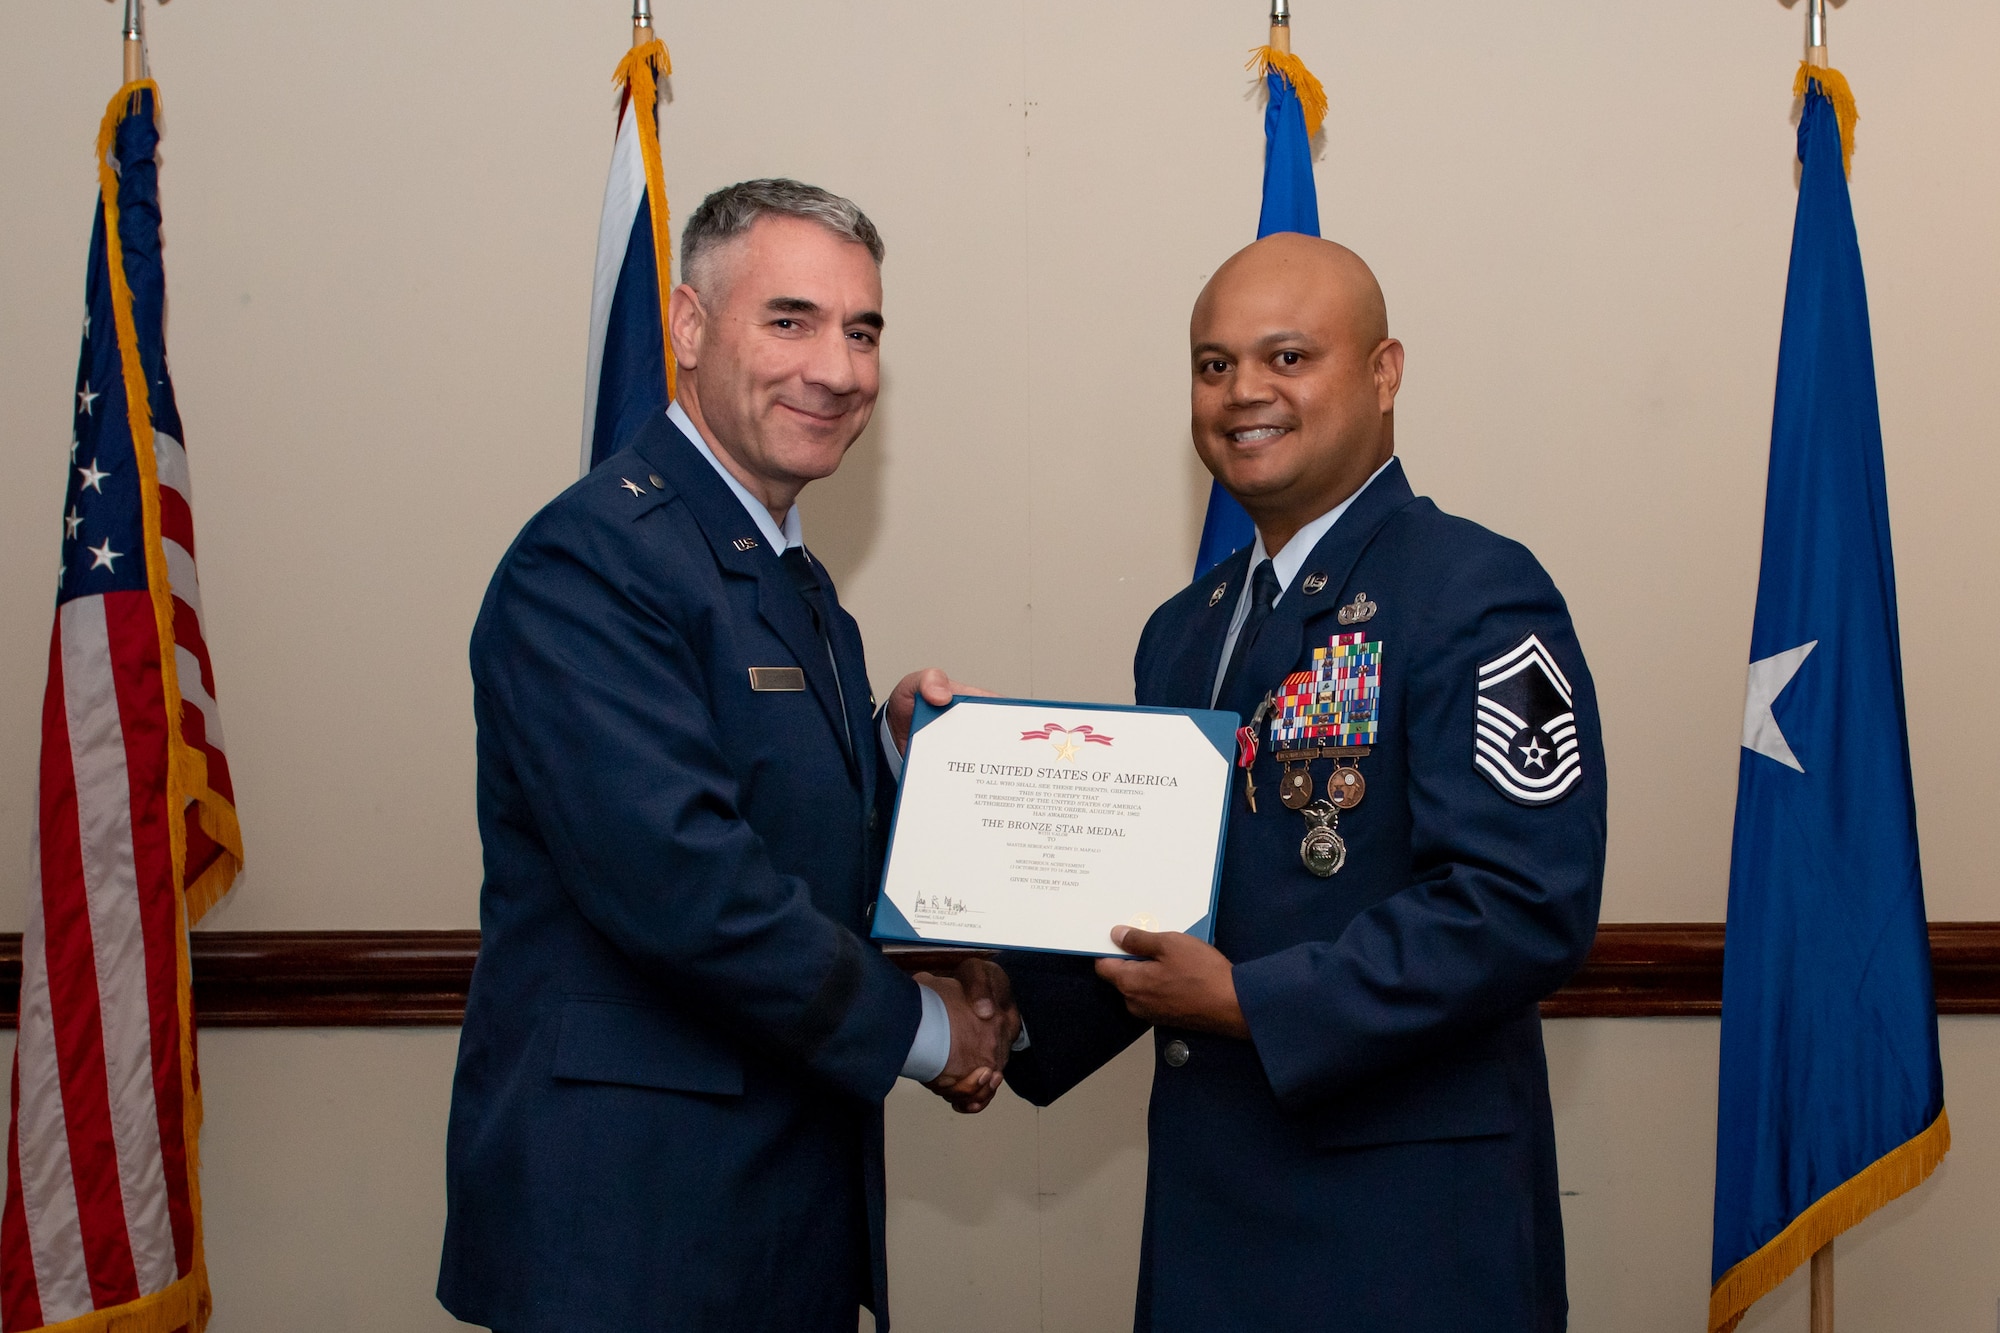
<point x="1263" y="592"/>
<point x="799" y="566"/>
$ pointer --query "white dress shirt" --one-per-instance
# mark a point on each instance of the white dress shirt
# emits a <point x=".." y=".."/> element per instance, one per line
<point x="1285" y="564"/>
<point x="931" y="1050"/>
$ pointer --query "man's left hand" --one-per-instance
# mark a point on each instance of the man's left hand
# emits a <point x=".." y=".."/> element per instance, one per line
<point x="1176" y="981"/>
<point x="937" y="689"/>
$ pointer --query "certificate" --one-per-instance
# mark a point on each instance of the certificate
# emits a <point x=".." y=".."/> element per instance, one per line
<point x="1025" y="825"/>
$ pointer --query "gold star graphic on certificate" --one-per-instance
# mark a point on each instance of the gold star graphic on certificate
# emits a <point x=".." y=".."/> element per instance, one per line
<point x="1065" y="748"/>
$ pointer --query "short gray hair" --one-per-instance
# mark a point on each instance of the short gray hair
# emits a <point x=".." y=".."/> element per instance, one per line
<point x="734" y="209"/>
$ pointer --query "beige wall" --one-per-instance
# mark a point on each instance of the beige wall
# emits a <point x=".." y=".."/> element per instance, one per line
<point x="380" y="237"/>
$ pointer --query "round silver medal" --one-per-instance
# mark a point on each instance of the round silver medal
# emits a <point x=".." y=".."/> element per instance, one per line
<point x="1322" y="850"/>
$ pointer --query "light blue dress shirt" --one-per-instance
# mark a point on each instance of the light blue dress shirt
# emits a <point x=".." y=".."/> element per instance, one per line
<point x="1285" y="564"/>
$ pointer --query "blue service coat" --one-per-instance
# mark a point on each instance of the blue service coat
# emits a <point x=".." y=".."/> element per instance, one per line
<point x="668" y="1105"/>
<point x="1379" y="1156"/>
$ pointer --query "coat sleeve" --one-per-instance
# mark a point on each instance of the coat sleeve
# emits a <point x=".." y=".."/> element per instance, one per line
<point x="1502" y="903"/>
<point x="1076" y="1024"/>
<point x="600" y="707"/>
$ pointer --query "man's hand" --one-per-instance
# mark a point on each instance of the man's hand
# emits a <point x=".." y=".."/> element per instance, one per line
<point x="1176" y="980"/>
<point x="984" y="1023"/>
<point x="937" y="688"/>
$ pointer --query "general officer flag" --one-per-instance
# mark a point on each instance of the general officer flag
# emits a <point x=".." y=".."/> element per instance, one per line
<point x="630" y="375"/>
<point x="1293" y="110"/>
<point x="1831" y="1097"/>
<point x="135" y="834"/>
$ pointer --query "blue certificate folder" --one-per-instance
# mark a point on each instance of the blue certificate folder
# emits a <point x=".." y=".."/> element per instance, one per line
<point x="1220" y="729"/>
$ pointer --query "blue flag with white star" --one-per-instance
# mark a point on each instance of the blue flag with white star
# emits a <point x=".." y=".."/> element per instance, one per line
<point x="1831" y="1096"/>
<point x="1291" y="203"/>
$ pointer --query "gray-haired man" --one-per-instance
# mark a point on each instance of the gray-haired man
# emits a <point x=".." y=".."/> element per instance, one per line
<point x="668" y="1106"/>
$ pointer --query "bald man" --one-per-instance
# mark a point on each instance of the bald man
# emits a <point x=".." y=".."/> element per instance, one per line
<point x="1350" y="1122"/>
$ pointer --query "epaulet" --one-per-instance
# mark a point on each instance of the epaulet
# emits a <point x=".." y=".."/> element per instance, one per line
<point x="623" y="486"/>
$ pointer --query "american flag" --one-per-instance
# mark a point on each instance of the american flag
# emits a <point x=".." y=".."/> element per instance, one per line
<point x="135" y="834"/>
<point x="630" y="375"/>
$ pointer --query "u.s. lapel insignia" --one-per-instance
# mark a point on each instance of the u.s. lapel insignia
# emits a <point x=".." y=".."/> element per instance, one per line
<point x="1215" y="597"/>
<point x="745" y="543"/>
<point x="1358" y="610"/>
<point x="1315" y="583"/>
<point x="1524" y="729"/>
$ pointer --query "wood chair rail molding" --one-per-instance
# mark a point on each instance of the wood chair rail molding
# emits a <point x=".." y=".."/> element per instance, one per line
<point x="418" y="978"/>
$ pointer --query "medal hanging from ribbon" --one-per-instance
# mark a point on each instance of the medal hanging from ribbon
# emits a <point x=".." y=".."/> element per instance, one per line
<point x="1246" y="749"/>
<point x="1329" y="712"/>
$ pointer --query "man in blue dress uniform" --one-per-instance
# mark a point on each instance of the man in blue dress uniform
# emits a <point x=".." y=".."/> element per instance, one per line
<point x="668" y="1106"/>
<point x="1350" y="1124"/>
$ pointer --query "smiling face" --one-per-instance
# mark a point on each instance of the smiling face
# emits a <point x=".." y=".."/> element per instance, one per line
<point x="1295" y="380"/>
<point x="780" y="353"/>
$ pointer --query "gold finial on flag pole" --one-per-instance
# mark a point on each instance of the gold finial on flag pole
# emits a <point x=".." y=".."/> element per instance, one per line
<point x="1816" y="33"/>
<point x="642" y="22"/>
<point x="1281" y="25"/>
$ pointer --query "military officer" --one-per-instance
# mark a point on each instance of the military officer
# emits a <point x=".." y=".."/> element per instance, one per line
<point x="1350" y="1122"/>
<point x="668" y="1106"/>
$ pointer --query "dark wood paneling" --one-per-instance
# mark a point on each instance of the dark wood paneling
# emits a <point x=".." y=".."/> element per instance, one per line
<point x="1647" y="970"/>
<point x="418" y="978"/>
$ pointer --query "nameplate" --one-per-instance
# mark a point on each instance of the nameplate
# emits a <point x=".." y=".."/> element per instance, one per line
<point x="781" y="679"/>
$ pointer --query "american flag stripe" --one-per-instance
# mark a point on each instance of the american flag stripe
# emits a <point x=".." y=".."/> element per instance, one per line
<point x="52" y="1228"/>
<point x="75" y="1054"/>
<point x="103" y="686"/>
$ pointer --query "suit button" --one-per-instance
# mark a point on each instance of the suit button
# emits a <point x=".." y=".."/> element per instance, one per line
<point x="1177" y="1052"/>
<point x="874" y="820"/>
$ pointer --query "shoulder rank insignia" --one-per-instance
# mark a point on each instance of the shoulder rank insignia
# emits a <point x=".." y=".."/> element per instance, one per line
<point x="1524" y="728"/>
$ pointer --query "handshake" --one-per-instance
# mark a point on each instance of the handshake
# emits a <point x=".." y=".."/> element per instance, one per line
<point x="1165" y="977"/>
<point x="984" y="1027"/>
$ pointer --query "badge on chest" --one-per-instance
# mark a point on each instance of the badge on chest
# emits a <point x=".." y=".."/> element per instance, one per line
<point x="1328" y="713"/>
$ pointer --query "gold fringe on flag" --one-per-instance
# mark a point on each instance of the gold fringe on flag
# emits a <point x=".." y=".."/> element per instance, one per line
<point x="1312" y="97"/>
<point x="639" y="74"/>
<point x="1889" y="1176"/>
<point x="181" y="1305"/>
<point x="186" y="1302"/>
<point x="1834" y="84"/>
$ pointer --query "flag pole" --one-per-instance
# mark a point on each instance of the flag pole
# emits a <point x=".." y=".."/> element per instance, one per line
<point x="135" y="41"/>
<point x="1281" y="26"/>
<point x="1821" y="1318"/>
<point x="1822" y="1289"/>
<point x="642" y="22"/>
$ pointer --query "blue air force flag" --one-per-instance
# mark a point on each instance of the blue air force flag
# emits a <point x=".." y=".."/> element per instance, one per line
<point x="1831" y="1096"/>
<point x="1296" y="104"/>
